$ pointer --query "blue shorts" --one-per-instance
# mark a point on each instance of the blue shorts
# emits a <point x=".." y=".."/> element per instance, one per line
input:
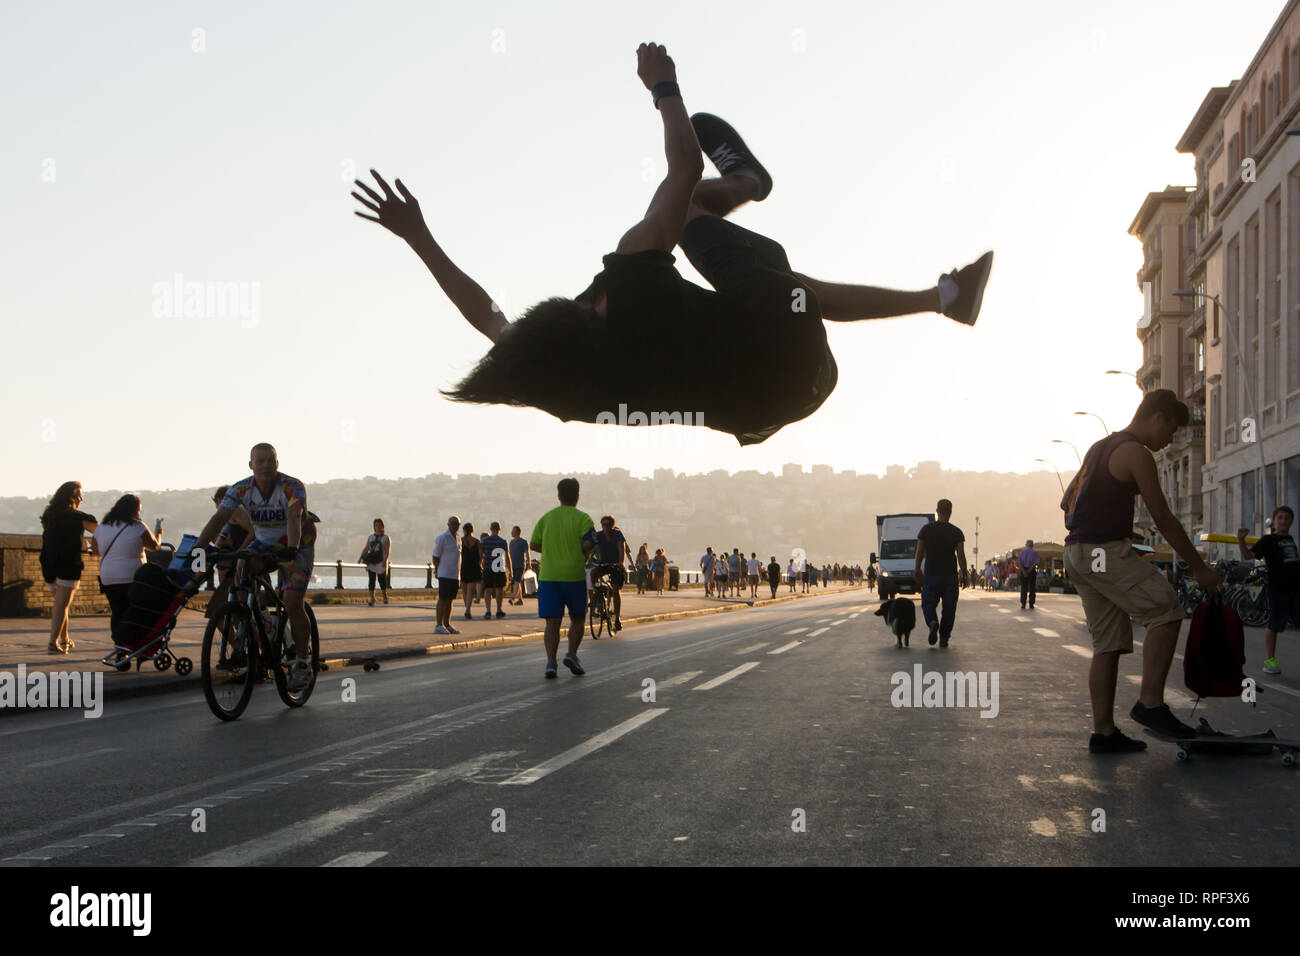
<point x="1283" y="605"/>
<point x="554" y="596"/>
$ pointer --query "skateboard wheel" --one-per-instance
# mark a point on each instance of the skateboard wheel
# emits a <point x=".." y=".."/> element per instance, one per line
<point x="1181" y="755"/>
<point x="1289" y="759"/>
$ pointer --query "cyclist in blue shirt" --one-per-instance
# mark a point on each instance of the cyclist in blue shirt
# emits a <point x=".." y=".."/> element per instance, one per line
<point x="612" y="548"/>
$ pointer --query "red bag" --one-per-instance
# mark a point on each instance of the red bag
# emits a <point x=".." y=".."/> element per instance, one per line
<point x="1214" y="660"/>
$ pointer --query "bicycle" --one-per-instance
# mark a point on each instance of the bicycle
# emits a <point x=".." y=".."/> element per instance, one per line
<point x="599" y="614"/>
<point x="248" y="636"/>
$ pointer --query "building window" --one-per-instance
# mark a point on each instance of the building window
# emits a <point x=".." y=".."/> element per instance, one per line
<point x="1249" y="341"/>
<point x="1215" y="392"/>
<point x="1232" y="277"/>
<point x="1272" y="292"/>
<point x="1291" y="475"/>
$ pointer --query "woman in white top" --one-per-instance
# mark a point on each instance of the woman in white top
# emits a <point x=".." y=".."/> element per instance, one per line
<point x="378" y="543"/>
<point x="121" y="541"/>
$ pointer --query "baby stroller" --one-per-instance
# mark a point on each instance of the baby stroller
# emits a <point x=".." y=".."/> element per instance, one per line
<point x="156" y="598"/>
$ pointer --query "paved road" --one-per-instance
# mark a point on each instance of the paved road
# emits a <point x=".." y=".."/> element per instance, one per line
<point x="771" y="739"/>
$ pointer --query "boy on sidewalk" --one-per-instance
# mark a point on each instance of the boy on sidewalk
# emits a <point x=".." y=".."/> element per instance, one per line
<point x="1283" y="559"/>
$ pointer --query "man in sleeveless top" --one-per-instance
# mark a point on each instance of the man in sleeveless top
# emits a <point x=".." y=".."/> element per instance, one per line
<point x="1115" y="584"/>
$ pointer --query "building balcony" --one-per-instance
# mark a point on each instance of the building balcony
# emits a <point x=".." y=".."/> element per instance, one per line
<point x="1197" y="322"/>
<point x="1149" y="367"/>
<point x="1150" y="266"/>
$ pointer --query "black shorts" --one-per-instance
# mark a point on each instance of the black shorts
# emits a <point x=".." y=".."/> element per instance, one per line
<point x="448" y="588"/>
<point x="780" y="316"/>
<point x="494" y="579"/>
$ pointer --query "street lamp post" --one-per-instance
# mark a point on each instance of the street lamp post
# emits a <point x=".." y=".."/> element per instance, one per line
<point x="1096" y="416"/>
<point x="1250" y="391"/>
<point x="1115" y="371"/>
<point x="1059" y="441"/>
<point x="1058" y="474"/>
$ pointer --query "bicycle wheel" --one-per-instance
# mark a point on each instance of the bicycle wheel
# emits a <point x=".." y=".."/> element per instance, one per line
<point x="229" y="662"/>
<point x="596" y="615"/>
<point x="285" y="654"/>
<point x="1253" y="610"/>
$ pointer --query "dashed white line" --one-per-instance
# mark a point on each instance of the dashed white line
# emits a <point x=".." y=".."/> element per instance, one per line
<point x="360" y="858"/>
<point x="729" y="675"/>
<point x="797" y="630"/>
<point x="791" y="646"/>
<point x="753" y="647"/>
<point x="603" y="739"/>
<point x="820" y="630"/>
<point x="840" y="621"/>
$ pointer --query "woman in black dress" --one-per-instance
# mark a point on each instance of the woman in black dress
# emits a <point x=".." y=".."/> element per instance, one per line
<point x="471" y="567"/>
<point x="61" y="557"/>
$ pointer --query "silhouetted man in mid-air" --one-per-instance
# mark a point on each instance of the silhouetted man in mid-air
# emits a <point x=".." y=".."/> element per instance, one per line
<point x="694" y="362"/>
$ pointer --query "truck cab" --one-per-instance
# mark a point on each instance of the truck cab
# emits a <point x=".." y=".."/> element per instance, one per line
<point x="896" y="546"/>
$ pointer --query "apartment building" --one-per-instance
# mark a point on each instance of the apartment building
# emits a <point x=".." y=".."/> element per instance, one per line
<point x="1237" y="367"/>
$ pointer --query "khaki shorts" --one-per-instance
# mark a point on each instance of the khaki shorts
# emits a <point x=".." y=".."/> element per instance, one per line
<point x="1129" y="589"/>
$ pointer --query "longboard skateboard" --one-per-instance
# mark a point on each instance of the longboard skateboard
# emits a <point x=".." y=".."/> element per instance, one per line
<point x="1211" y="741"/>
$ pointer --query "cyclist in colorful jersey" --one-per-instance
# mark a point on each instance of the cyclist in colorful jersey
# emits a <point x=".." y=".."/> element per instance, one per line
<point x="276" y="505"/>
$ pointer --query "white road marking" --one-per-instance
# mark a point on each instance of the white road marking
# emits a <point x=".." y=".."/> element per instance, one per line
<point x="820" y="630"/>
<point x="840" y="621"/>
<point x="788" y="647"/>
<point x="603" y="739"/>
<point x="679" y="679"/>
<point x="1024" y="620"/>
<point x="1046" y="632"/>
<point x="1081" y="651"/>
<point x="360" y="858"/>
<point x="855" y="614"/>
<point x="826" y="620"/>
<point x="59" y="760"/>
<point x="295" y="836"/>
<point x="753" y="647"/>
<point x="1005" y="610"/>
<point x="729" y="675"/>
<point x="797" y="630"/>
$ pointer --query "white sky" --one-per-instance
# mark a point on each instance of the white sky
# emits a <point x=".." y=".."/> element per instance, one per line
<point x="904" y="140"/>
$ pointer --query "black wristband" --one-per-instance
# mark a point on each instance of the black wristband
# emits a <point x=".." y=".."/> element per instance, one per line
<point x="665" y="88"/>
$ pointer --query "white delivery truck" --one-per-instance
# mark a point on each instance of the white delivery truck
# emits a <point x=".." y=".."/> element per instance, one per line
<point x="896" y="544"/>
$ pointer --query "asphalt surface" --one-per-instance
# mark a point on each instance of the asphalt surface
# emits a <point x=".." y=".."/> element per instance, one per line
<point x="772" y="738"/>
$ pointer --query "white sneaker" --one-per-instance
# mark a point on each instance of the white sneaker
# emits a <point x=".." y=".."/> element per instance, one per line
<point x="441" y="630"/>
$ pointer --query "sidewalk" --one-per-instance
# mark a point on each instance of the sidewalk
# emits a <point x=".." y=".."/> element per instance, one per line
<point x="349" y="634"/>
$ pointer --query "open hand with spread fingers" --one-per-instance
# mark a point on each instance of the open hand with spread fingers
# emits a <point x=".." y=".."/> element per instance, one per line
<point x="401" y="218"/>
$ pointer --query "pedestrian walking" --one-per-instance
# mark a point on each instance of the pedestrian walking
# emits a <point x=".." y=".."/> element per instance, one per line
<point x="496" y="569"/>
<point x="447" y="564"/>
<point x="659" y="565"/>
<point x="1027" y="562"/>
<point x="773" y="575"/>
<point x="375" y="557"/>
<point x="61" y="560"/>
<point x="1117" y="587"/>
<point x="560" y="537"/>
<point x="754" y="566"/>
<point x="518" y="563"/>
<point x="1278" y="550"/>
<point x="939" y="546"/>
<point x="642" y="568"/>
<point x="121" y="540"/>
<point x="471" y="567"/>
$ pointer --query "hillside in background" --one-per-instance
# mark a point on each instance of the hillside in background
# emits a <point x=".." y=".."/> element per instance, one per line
<point x="831" y="515"/>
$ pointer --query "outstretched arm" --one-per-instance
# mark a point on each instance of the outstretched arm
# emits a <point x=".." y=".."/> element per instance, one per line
<point x="663" y="222"/>
<point x="405" y="220"/>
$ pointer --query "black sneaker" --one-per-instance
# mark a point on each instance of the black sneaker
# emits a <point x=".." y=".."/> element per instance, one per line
<point x="934" y="634"/>
<point x="550" y="670"/>
<point x="728" y="152"/>
<point x="501" y="613"/>
<point x="970" y="289"/>
<point x="943" y="642"/>
<point x="1114" y="743"/>
<point x="1162" y="720"/>
<point x="571" y="662"/>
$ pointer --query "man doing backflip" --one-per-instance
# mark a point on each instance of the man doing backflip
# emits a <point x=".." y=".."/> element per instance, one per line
<point x="754" y="290"/>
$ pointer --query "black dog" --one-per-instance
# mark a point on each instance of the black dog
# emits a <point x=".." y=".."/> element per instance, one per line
<point x="900" y="615"/>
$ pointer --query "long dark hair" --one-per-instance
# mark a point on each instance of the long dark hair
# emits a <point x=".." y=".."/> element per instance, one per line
<point x="61" y="502"/>
<point x="552" y="345"/>
<point x="124" y="512"/>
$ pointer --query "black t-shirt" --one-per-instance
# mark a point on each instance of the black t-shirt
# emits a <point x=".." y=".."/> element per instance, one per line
<point x="61" y="546"/>
<point x="676" y="349"/>
<point x="774" y="572"/>
<point x="1283" y="559"/>
<point x="942" y="539"/>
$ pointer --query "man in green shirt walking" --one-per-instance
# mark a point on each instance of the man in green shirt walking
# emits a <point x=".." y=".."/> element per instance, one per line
<point x="562" y="581"/>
